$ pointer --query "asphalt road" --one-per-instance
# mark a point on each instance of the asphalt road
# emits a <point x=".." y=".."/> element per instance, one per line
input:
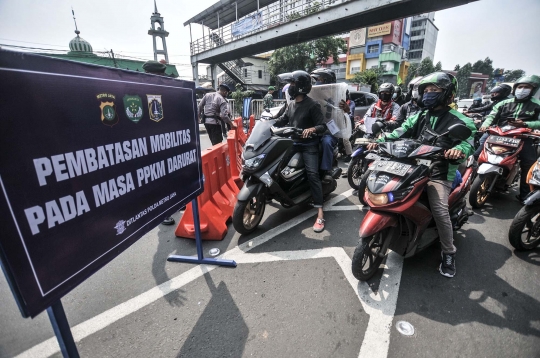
<point x="293" y="295"/>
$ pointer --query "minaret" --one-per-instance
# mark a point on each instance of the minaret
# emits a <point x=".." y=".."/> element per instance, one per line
<point x="159" y="32"/>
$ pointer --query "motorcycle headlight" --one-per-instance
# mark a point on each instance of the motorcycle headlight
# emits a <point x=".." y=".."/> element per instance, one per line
<point x="378" y="199"/>
<point x="497" y="149"/>
<point x="254" y="162"/>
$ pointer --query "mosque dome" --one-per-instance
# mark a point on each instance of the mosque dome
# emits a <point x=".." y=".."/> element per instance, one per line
<point x="78" y="44"/>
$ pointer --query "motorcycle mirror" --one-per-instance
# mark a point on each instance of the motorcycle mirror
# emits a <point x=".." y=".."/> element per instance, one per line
<point x="459" y="131"/>
<point x="377" y="127"/>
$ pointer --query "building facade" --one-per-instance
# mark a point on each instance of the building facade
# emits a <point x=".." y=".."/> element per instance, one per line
<point x="423" y="37"/>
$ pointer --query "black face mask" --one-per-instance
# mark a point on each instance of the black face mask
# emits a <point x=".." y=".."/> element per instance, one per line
<point x="293" y="91"/>
<point x="431" y="99"/>
<point x="385" y="96"/>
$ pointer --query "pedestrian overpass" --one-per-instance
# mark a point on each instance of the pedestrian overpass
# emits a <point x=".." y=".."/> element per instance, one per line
<point x="236" y="29"/>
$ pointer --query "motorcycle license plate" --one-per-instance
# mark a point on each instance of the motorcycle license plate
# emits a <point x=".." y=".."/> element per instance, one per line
<point x="506" y="141"/>
<point x="425" y="162"/>
<point x="395" y="168"/>
<point x="359" y="141"/>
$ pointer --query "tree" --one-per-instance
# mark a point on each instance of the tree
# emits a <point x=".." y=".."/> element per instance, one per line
<point x="421" y="69"/>
<point x="513" y="75"/>
<point x="486" y="68"/>
<point x="462" y="77"/>
<point x="305" y="56"/>
<point x="438" y="66"/>
<point x="371" y="77"/>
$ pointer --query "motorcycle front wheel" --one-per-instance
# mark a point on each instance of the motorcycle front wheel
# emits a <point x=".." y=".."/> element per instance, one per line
<point x="355" y="171"/>
<point x="524" y="233"/>
<point x="479" y="190"/>
<point x="368" y="256"/>
<point x="247" y="215"/>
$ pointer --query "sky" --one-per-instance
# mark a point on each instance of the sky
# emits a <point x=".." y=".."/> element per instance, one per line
<point x="506" y="31"/>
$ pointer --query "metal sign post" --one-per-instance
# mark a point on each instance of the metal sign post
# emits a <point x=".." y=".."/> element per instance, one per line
<point x="62" y="331"/>
<point x="198" y="241"/>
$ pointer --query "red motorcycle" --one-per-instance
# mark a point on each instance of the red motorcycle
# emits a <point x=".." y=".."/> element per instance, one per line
<point x="498" y="164"/>
<point x="399" y="217"/>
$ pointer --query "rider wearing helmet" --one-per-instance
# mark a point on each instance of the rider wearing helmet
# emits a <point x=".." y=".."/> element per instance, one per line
<point x="214" y="113"/>
<point x="384" y="108"/>
<point x="436" y="92"/>
<point x="398" y="96"/>
<point x="325" y="76"/>
<point x="411" y="107"/>
<point x="521" y="111"/>
<point x="498" y="93"/>
<point x="305" y="113"/>
<point x="477" y="103"/>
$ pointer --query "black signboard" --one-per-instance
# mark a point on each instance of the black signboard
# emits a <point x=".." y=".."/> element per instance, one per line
<point x="92" y="158"/>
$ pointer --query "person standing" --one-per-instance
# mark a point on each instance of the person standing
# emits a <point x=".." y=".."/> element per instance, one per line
<point x="268" y="100"/>
<point x="214" y="113"/>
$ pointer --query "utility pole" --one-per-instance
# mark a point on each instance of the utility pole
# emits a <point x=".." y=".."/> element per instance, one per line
<point x="114" y="60"/>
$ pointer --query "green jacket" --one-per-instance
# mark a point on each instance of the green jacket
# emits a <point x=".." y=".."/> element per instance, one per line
<point x="414" y="126"/>
<point x="509" y="109"/>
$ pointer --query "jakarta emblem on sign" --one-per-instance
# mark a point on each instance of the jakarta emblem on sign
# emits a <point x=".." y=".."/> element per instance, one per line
<point x="92" y="159"/>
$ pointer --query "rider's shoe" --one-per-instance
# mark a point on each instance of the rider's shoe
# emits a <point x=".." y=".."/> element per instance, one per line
<point x="319" y="225"/>
<point x="168" y="221"/>
<point x="448" y="265"/>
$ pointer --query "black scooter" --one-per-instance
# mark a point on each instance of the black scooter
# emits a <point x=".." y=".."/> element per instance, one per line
<point x="267" y="175"/>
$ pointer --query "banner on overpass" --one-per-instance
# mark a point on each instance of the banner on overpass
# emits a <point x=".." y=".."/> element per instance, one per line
<point x="247" y="24"/>
<point x="92" y="159"/>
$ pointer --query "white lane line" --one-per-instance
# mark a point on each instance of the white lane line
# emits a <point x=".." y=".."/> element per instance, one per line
<point x="345" y="208"/>
<point x="380" y="311"/>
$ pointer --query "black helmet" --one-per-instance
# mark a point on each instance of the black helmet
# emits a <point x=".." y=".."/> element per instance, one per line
<point x="226" y="86"/>
<point x="443" y="80"/>
<point x="500" y="91"/>
<point x="301" y="81"/>
<point x="324" y="75"/>
<point x="398" y="91"/>
<point x="386" y="87"/>
<point x="532" y="80"/>
<point x="477" y="99"/>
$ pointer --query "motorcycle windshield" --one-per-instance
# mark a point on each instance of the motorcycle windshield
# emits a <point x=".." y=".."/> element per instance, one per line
<point x="260" y="134"/>
<point x="399" y="149"/>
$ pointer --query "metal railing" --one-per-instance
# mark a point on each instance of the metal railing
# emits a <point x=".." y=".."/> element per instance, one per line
<point x="256" y="106"/>
<point x="273" y="15"/>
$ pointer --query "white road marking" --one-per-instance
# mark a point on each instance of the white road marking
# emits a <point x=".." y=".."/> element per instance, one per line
<point x="380" y="308"/>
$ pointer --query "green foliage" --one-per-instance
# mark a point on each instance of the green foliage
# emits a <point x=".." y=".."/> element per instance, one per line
<point x="305" y="56"/>
<point x="462" y="78"/>
<point x="370" y="77"/>
<point x="484" y="67"/>
<point x="312" y="8"/>
<point x="513" y="75"/>
<point x="238" y="97"/>
<point x="422" y="69"/>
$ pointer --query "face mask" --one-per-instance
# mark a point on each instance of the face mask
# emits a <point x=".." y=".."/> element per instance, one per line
<point x="415" y="94"/>
<point x="385" y="96"/>
<point x="430" y="99"/>
<point x="292" y="91"/>
<point x="394" y="96"/>
<point x="318" y="83"/>
<point x="522" y="93"/>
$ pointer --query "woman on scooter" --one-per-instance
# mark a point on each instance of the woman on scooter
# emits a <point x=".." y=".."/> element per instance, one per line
<point x="436" y="92"/>
<point x="521" y="111"/>
<point x="305" y="113"/>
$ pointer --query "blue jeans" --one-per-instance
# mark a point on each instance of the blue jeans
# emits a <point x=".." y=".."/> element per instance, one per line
<point x="310" y="154"/>
<point x="481" y="146"/>
<point x="329" y="142"/>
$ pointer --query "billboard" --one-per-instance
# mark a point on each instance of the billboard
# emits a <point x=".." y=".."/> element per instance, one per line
<point x="357" y="38"/>
<point x="247" y="24"/>
<point x="380" y="30"/>
<point x="92" y="159"/>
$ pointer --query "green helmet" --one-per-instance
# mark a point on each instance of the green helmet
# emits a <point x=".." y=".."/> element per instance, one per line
<point x="532" y="80"/>
<point x="443" y="80"/>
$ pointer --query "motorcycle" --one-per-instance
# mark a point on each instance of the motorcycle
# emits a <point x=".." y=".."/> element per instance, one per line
<point x="268" y="174"/>
<point x="399" y="217"/>
<point x="477" y="119"/>
<point x="524" y="233"/>
<point x="498" y="163"/>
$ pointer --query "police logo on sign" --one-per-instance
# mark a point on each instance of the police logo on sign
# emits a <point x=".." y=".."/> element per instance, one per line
<point x="108" y="110"/>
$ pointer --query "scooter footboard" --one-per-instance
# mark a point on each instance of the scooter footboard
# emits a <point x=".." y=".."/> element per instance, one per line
<point x="375" y="221"/>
